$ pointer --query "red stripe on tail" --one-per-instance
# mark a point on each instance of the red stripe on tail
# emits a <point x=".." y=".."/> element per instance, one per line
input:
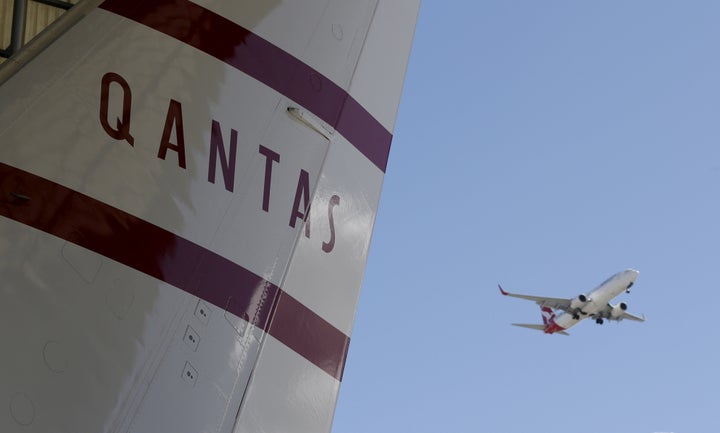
<point x="548" y="315"/>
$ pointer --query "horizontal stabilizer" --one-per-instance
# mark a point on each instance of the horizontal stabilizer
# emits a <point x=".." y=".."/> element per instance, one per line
<point x="531" y="326"/>
<point x="536" y="327"/>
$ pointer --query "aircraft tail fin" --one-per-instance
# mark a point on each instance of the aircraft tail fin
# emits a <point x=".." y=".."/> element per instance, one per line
<point x="205" y="181"/>
<point x="548" y="315"/>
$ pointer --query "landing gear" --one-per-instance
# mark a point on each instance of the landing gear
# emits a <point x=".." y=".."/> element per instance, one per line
<point x="599" y="321"/>
<point x="627" y="289"/>
<point x="576" y="316"/>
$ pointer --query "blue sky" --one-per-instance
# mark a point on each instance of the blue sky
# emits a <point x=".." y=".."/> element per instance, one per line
<point x="545" y="146"/>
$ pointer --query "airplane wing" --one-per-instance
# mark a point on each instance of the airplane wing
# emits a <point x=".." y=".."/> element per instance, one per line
<point x="630" y="316"/>
<point x="554" y="303"/>
<point x="606" y="313"/>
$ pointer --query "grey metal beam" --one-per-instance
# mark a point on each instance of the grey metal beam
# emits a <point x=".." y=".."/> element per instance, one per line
<point x="45" y="38"/>
<point x="17" y="31"/>
<point x="56" y="3"/>
<point x="18" y="26"/>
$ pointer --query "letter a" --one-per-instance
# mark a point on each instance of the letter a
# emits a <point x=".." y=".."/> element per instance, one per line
<point x="301" y="193"/>
<point x="174" y="117"/>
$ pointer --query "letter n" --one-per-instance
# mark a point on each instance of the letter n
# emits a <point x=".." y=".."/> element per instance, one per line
<point x="217" y="150"/>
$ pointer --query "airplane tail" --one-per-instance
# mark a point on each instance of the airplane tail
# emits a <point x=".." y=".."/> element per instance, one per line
<point x="548" y="315"/>
<point x="187" y="197"/>
<point x="537" y="327"/>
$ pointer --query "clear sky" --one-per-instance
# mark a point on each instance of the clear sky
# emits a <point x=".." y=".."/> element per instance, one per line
<point x="546" y="145"/>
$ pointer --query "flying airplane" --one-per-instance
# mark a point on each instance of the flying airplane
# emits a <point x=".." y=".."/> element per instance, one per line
<point x="594" y="305"/>
<point x="187" y="195"/>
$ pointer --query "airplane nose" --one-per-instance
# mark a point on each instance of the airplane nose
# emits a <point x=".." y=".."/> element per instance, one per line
<point x="630" y="275"/>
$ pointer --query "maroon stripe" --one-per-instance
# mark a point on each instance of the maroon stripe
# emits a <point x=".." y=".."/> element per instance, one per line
<point x="292" y="324"/>
<point x="122" y="237"/>
<point x="267" y="63"/>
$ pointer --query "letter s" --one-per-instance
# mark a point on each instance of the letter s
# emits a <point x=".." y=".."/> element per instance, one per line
<point x="329" y="245"/>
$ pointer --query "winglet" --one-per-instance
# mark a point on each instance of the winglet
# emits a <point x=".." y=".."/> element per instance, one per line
<point x="502" y="291"/>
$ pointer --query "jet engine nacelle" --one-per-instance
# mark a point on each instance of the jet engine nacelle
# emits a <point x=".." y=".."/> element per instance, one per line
<point x="578" y="302"/>
<point x="618" y="310"/>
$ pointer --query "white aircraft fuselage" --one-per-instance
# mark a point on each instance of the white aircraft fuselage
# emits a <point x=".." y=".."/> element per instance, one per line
<point x="596" y="300"/>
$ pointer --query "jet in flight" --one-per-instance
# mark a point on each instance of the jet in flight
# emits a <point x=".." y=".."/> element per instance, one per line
<point x="595" y="305"/>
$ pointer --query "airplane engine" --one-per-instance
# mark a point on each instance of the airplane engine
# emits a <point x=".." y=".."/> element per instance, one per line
<point x="578" y="302"/>
<point x="618" y="310"/>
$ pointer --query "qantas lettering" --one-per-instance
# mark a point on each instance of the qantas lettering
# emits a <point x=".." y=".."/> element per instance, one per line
<point x="110" y="87"/>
